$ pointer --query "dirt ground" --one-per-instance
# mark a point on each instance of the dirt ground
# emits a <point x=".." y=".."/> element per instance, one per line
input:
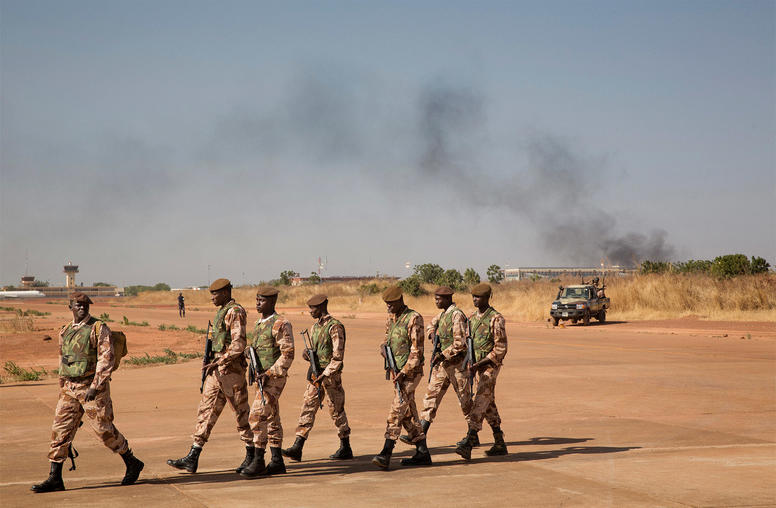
<point x="650" y="413"/>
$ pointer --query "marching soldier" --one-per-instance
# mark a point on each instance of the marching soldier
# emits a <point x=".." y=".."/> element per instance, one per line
<point x="274" y="345"/>
<point x="404" y="341"/>
<point x="488" y="331"/>
<point x="328" y="342"/>
<point x="87" y="360"/>
<point x="225" y="379"/>
<point x="450" y="326"/>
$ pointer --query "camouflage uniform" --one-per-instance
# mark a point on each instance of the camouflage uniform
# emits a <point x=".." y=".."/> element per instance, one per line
<point x="87" y="359"/>
<point x="404" y="333"/>
<point x="451" y="326"/>
<point x="488" y="330"/>
<point x="227" y="381"/>
<point x="328" y="336"/>
<point x="274" y="344"/>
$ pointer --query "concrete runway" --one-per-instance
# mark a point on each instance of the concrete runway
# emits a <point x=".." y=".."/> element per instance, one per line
<point x="621" y="414"/>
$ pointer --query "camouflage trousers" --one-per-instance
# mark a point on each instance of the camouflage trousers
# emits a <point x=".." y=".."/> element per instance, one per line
<point x="335" y="401"/>
<point x="71" y="408"/>
<point x="220" y="388"/>
<point x="442" y="376"/>
<point x="485" y="400"/>
<point x="405" y="414"/>
<point x="265" y="415"/>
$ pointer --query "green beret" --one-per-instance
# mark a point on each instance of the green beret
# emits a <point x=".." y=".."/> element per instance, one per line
<point x="317" y="300"/>
<point x="219" y="284"/>
<point x="444" y="291"/>
<point x="267" y="291"/>
<point x="392" y="294"/>
<point x="80" y="298"/>
<point x="481" y="289"/>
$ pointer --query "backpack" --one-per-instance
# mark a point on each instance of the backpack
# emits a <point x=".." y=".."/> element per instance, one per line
<point x="119" y="341"/>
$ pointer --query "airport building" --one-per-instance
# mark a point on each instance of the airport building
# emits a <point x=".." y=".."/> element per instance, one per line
<point x="28" y="284"/>
<point x="550" y="272"/>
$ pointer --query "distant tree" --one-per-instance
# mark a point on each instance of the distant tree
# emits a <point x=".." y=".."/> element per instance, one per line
<point x="694" y="266"/>
<point x="286" y="276"/>
<point x="452" y="278"/>
<point x="471" y="277"/>
<point x="655" y="267"/>
<point x="314" y="278"/>
<point x="412" y="286"/>
<point x="429" y="273"/>
<point x="161" y="286"/>
<point x="730" y="265"/>
<point x="759" y="265"/>
<point x="495" y="274"/>
<point x="102" y="284"/>
<point x="45" y="283"/>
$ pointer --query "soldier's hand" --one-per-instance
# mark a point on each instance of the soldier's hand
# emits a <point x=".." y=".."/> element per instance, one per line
<point x="317" y="381"/>
<point x="209" y="367"/>
<point x="398" y="378"/>
<point x="305" y="355"/>
<point x="382" y="352"/>
<point x="437" y="359"/>
<point x="91" y="394"/>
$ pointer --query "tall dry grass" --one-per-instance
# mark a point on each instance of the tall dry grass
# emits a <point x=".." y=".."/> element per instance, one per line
<point x="654" y="296"/>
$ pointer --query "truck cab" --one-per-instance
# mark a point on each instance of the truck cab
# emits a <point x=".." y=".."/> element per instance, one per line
<point x="579" y="303"/>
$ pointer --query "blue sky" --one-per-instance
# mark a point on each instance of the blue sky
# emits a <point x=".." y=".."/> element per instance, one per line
<point x="148" y="140"/>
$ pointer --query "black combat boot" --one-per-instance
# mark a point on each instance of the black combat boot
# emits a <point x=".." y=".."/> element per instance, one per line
<point x="276" y="465"/>
<point x="475" y="441"/>
<point x="189" y="462"/>
<point x="249" y="451"/>
<point x="295" y="451"/>
<point x="53" y="482"/>
<point x="499" y="446"/>
<point x="383" y="460"/>
<point x="344" y="451"/>
<point x="134" y="466"/>
<point x="424" y="425"/>
<point x="421" y="458"/>
<point x="464" y="449"/>
<point x="257" y="464"/>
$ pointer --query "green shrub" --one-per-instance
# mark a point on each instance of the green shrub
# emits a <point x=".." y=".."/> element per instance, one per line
<point x="655" y="267"/>
<point x="471" y="277"/>
<point x="105" y="317"/>
<point x="412" y="286"/>
<point x="194" y="329"/>
<point x="452" y="278"/>
<point x="730" y="265"/>
<point x="22" y="374"/>
<point x="369" y="289"/>
<point x="429" y="273"/>
<point x="495" y="274"/>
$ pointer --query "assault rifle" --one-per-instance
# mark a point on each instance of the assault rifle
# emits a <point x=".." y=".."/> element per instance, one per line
<point x="315" y="370"/>
<point x="469" y="361"/>
<point x="436" y="348"/>
<point x="72" y="453"/>
<point x="391" y="368"/>
<point x="207" y="358"/>
<point x="255" y="371"/>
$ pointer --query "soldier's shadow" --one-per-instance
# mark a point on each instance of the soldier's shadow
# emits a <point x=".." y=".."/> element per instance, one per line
<point x="363" y="463"/>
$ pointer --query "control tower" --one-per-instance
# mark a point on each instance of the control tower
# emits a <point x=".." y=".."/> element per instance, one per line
<point x="70" y="271"/>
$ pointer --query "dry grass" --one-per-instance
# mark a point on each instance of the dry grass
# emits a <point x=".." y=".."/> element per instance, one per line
<point x="746" y="298"/>
<point x="16" y="324"/>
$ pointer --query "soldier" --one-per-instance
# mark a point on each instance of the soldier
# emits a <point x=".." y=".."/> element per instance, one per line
<point x="488" y="331"/>
<point x="404" y="338"/>
<point x="87" y="360"/>
<point x="328" y="342"/>
<point x="181" y="306"/>
<point x="274" y="345"/>
<point x="225" y="378"/>
<point x="447" y="363"/>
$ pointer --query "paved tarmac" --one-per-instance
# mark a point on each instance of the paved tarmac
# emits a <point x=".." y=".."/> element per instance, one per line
<point x="620" y="414"/>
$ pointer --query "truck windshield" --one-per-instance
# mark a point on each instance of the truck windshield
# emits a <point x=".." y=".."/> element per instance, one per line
<point x="574" y="293"/>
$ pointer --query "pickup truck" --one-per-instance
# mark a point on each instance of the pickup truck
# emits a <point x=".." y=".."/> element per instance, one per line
<point x="579" y="303"/>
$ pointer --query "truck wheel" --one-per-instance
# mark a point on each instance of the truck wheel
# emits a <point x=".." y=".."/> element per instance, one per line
<point x="586" y="319"/>
<point x="574" y="321"/>
<point x="602" y="316"/>
<point x="555" y="321"/>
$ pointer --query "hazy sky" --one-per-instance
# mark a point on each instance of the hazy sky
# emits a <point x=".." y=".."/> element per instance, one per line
<point x="146" y="141"/>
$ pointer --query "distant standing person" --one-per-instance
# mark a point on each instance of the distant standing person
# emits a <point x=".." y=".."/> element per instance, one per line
<point x="404" y="339"/>
<point x="328" y="341"/>
<point x="225" y="379"/>
<point x="488" y="330"/>
<point x="181" y="306"/>
<point x="87" y="361"/>
<point x="274" y="345"/>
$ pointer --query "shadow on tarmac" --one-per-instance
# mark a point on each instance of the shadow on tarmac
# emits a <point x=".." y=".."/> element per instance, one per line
<point x="363" y="463"/>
